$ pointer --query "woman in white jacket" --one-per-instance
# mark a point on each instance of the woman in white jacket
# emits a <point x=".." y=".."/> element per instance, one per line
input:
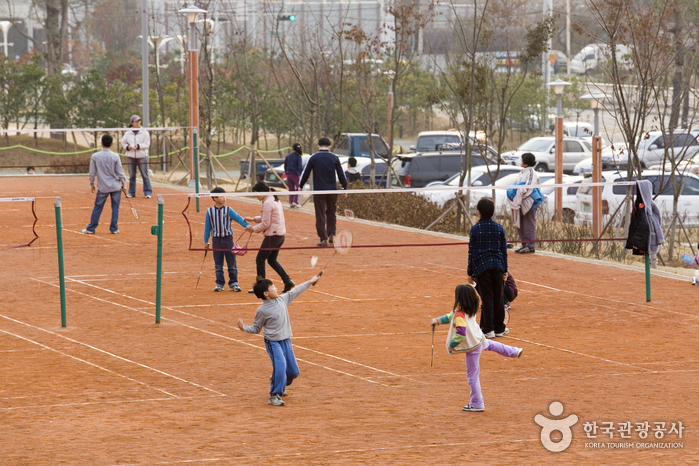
<point x="136" y="142"/>
<point x="523" y="215"/>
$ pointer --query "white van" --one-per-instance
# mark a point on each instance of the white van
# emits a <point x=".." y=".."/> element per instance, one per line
<point x="588" y="59"/>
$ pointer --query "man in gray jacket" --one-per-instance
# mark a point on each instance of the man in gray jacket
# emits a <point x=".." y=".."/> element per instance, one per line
<point x="106" y="166"/>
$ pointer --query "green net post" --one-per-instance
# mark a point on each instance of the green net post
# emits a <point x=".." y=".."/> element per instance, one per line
<point x="61" y="274"/>
<point x="158" y="231"/>
<point x="196" y="163"/>
<point x="647" y="257"/>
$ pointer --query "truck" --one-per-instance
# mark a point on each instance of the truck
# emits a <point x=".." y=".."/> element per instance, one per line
<point x="357" y="145"/>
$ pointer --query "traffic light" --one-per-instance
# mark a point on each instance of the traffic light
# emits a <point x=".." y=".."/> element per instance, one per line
<point x="286" y="18"/>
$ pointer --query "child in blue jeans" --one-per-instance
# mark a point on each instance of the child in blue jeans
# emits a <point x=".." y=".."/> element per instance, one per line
<point x="218" y="225"/>
<point x="466" y="336"/>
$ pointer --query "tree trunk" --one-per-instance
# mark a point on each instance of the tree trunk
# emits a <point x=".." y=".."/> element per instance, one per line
<point x="679" y="67"/>
<point x="56" y="23"/>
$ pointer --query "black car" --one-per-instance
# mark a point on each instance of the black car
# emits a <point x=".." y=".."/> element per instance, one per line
<point x="416" y="170"/>
<point x="260" y="167"/>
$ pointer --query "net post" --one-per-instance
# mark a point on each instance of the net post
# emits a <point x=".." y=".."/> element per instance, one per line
<point x="196" y="163"/>
<point x="647" y="260"/>
<point x="61" y="274"/>
<point x="159" y="272"/>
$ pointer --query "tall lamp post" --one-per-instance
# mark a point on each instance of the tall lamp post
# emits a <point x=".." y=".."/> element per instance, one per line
<point x="5" y="26"/>
<point x="558" y="86"/>
<point x="193" y="13"/>
<point x="596" y="99"/>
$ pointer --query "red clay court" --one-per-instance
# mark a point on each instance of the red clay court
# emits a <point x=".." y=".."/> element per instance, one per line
<point x="115" y="388"/>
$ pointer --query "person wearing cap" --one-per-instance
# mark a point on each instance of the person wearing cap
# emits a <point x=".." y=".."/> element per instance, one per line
<point x="324" y="165"/>
<point x="136" y="142"/>
<point x="293" y="168"/>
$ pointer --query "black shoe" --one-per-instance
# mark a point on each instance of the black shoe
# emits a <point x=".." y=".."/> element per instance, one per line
<point x="331" y="240"/>
<point x="519" y="251"/>
<point x="527" y="250"/>
<point x="251" y="291"/>
<point x="288" y="286"/>
<point x="322" y="243"/>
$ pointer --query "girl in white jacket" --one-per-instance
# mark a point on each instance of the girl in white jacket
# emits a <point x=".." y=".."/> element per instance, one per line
<point x="136" y="142"/>
<point x="465" y="336"/>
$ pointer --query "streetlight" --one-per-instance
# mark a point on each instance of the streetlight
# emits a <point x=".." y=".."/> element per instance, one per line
<point x="596" y="99"/>
<point x="558" y="86"/>
<point x="5" y="26"/>
<point x="193" y="13"/>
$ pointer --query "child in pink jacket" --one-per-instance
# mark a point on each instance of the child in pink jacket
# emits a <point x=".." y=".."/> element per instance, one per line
<point x="271" y="224"/>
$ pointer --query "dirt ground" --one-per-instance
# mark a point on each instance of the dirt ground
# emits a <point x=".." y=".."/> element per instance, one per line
<point x="115" y="388"/>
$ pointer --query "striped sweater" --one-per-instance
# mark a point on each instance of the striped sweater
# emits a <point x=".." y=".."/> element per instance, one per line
<point x="465" y="334"/>
<point x="218" y="222"/>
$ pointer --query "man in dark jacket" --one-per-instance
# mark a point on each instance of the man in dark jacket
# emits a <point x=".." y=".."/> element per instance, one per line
<point x="324" y="165"/>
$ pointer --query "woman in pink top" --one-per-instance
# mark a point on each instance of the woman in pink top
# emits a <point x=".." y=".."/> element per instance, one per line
<point x="271" y="224"/>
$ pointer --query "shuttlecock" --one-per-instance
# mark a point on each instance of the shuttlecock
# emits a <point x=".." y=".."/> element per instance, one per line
<point x="314" y="260"/>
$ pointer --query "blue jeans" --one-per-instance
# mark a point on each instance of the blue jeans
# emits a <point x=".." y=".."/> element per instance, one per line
<point x="142" y="165"/>
<point x="284" y="366"/>
<point x="224" y="242"/>
<point x="100" y="200"/>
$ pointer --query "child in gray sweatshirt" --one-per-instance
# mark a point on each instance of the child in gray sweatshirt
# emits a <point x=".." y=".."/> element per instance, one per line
<point x="273" y="315"/>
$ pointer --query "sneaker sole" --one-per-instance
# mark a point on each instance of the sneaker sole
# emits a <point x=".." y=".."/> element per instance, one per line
<point x="521" y="350"/>
<point x="473" y="410"/>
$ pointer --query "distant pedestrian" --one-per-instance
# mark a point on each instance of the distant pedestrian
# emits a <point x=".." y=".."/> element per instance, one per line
<point x="324" y="165"/>
<point x="30" y="170"/>
<point x="136" y="142"/>
<point x="352" y="174"/>
<point x="105" y="165"/>
<point x="293" y="168"/>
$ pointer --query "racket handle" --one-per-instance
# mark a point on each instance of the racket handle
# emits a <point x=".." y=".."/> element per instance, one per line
<point x="314" y="283"/>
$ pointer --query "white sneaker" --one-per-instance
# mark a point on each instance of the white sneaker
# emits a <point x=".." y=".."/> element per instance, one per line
<point x="489" y="335"/>
<point x="472" y="409"/>
<point x="519" y="352"/>
<point x="274" y="400"/>
<point x="148" y="196"/>
<point x="507" y="330"/>
<point x="88" y="232"/>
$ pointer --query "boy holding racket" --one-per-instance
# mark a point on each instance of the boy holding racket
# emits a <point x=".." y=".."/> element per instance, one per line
<point x="487" y="265"/>
<point x="218" y="225"/>
<point x="273" y="315"/>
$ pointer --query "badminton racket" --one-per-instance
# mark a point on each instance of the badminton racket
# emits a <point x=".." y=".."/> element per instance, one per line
<point x="133" y="211"/>
<point x="206" y="251"/>
<point x="342" y="245"/>
<point x="432" y="353"/>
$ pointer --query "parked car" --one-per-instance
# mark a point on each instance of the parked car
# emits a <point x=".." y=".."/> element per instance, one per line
<point x="479" y="177"/>
<point x="544" y="149"/>
<point x="569" y="197"/>
<point x="612" y="196"/>
<point x="357" y="145"/>
<point x="560" y="61"/>
<point x="430" y="141"/>
<point x="274" y="176"/>
<point x="501" y="205"/>
<point x="416" y="170"/>
<point x="260" y="166"/>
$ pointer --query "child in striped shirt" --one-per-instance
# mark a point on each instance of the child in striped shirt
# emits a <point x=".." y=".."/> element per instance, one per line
<point x="218" y="226"/>
<point x="466" y="336"/>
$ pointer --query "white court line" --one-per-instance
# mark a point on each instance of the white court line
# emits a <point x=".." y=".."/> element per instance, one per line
<point x="613" y="300"/>
<point x="330" y="453"/>
<point x="81" y="360"/>
<point x="93" y="403"/>
<point x="200" y="329"/>
<point x="107" y="353"/>
<point x="103" y="237"/>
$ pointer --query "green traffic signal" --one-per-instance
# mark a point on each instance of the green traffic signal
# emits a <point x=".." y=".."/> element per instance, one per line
<point x="292" y="18"/>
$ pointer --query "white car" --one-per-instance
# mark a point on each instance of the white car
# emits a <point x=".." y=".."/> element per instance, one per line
<point x="501" y="205"/>
<point x="569" y="197"/>
<point x="544" y="149"/>
<point x="589" y="58"/>
<point x="612" y="197"/>
<point x="651" y="149"/>
<point x="479" y="177"/>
